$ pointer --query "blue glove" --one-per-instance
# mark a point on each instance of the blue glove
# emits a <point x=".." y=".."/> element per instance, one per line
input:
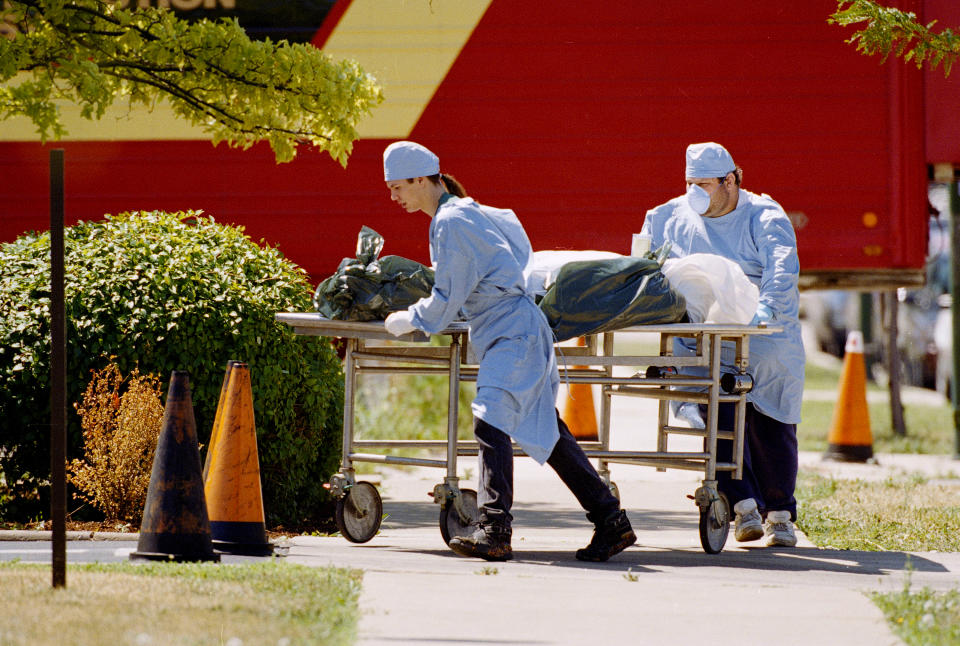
<point x="764" y="314"/>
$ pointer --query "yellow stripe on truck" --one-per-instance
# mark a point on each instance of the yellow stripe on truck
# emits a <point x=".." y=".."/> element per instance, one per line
<point x="120" y="122"/>
<point x="408" y="45"/>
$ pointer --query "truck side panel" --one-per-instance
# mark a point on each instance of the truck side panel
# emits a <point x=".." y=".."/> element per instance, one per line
<point x="576" y="116"/>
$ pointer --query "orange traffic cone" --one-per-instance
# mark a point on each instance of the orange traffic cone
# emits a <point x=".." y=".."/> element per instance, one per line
<point x="850" y="439"/>
<point x="216" y="417"/>
<point x="175" y="525"/>
<point x="232" y="471"/>
<point x="579" y="412"/>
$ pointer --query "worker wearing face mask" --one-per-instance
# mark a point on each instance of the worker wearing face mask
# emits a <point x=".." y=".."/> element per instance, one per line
<point x="717" y="216"/>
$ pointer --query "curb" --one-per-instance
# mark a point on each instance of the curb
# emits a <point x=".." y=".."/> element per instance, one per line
<point x="46" y="535"/>
<point x="26" y="535"/>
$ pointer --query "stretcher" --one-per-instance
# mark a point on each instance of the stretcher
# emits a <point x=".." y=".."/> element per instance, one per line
<point x="371" y="349"/>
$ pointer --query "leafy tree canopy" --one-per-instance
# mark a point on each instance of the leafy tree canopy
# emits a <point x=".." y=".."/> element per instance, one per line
<point x="890" y="30"/>
<point x="240" y="91"/>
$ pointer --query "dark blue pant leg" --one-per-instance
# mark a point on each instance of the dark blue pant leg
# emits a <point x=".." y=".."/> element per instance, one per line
<point x="495" y="459"/>
<point x="773" y="451"/>
<point x="769" y="461"/>
<point x="495" y="495"/>
<point x="580" y="477"/>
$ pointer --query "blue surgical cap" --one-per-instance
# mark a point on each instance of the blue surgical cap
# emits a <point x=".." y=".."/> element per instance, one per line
<point x="708" y="160"/>
<point x="406" y="159"/>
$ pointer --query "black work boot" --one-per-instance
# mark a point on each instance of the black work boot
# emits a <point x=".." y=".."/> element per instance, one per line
<point x="490" y="542"/>
<point x="611" y="536"/>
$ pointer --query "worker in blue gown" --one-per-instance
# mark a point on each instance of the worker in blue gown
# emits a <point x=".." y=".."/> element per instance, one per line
<point x="481" y="256"/>
<point x="717" y="216"/>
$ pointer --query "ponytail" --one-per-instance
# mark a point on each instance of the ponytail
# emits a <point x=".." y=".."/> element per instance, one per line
<point x="453" y="186"/>
<point x="450" y="184"/>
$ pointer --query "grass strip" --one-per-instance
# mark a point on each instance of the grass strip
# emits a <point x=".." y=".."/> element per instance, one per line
<point x="818" y="377"/>
<point x="922" y="617"/>
<point x="271" y="603"/>
<point x="929" y="428"/>
<point x="908" y="513"/>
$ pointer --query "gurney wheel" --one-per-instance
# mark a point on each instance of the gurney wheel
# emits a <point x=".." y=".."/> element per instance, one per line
<point x="715" y="525"/>
<point x="359" y="513"/>
<point x="451" y="525"/>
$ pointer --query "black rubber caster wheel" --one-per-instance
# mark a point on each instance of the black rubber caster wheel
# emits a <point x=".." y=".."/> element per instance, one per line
<point x="715" y="525"/>
<point x="451" y="524"/>
<point x="359" y="513"/>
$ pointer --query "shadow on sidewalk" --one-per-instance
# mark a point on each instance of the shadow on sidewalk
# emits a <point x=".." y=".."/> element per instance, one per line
<point x="797" y="559"/>
<point x="531" y="517"/>
<point x="403" y="514"/>
<point x="653" y="560"/>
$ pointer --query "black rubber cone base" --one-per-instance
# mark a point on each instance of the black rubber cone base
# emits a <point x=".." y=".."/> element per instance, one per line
<point x="849" y="452"/>
<point x="192" y="548"/>
<point x="248" y="539"/>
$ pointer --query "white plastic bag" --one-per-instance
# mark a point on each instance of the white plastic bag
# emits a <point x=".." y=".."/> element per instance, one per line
<point x="716" y="289"/>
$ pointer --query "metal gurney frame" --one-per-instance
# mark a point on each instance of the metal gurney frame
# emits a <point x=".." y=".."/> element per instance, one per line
<point x="359" y="507"/>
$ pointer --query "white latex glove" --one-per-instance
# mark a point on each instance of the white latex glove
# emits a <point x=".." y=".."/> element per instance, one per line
<point x="399" y="323"/>
<point x="764" y="315"/>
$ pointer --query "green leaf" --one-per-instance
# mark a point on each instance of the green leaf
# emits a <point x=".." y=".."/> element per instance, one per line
<point x="237" y="90"/>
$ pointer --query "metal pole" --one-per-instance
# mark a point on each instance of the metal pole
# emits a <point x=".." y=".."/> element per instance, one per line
<point x="890" y="313"/>
<point x="453" y="404"/>
<point x="349" y="388"/>
<point x="58" y="375"/>
<point x="866" y="316"/>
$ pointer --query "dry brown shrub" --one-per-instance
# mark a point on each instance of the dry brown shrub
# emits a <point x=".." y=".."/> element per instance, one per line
<point x="120" y="430"/>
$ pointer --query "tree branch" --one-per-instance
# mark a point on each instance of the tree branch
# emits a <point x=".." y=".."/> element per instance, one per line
<point x="239" y="90"/>
<point x="890" y="30"/>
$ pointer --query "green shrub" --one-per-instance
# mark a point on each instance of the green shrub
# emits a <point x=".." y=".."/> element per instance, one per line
<point x="160" y="292"/>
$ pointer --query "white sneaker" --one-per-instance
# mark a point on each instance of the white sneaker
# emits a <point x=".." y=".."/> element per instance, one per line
<point x="779" y="530"/>
<point x="748" y="525"/>
<point x="690" y="413"/>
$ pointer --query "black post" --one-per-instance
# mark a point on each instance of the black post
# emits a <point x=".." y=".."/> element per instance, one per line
<point x="58" y="376"/>
<point x="866" y="318"/>
<point x="890" y="315"/>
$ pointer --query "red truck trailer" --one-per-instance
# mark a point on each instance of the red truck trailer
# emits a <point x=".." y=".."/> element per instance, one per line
<point x="576" y="115"/>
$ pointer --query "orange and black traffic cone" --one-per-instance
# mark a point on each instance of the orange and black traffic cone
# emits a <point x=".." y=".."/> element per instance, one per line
<point x="175" y="525"/>
<point x="216" y="418"/>
<point x="579" y="412"/>
<point x="232" y="473"/>
<point x="850" y="439"/>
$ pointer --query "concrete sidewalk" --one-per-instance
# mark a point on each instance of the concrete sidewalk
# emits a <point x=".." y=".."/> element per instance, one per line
<point x="663" y="590"/>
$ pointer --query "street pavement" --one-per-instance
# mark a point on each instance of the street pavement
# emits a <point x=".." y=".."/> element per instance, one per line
<point x="663" y="590"/>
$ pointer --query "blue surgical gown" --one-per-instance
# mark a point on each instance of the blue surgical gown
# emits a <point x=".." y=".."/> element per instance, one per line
<point x="759" y="237"/>
<point x="481" y="255"/>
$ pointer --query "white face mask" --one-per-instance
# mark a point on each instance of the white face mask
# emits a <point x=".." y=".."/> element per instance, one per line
<point x="698" y="199"/>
